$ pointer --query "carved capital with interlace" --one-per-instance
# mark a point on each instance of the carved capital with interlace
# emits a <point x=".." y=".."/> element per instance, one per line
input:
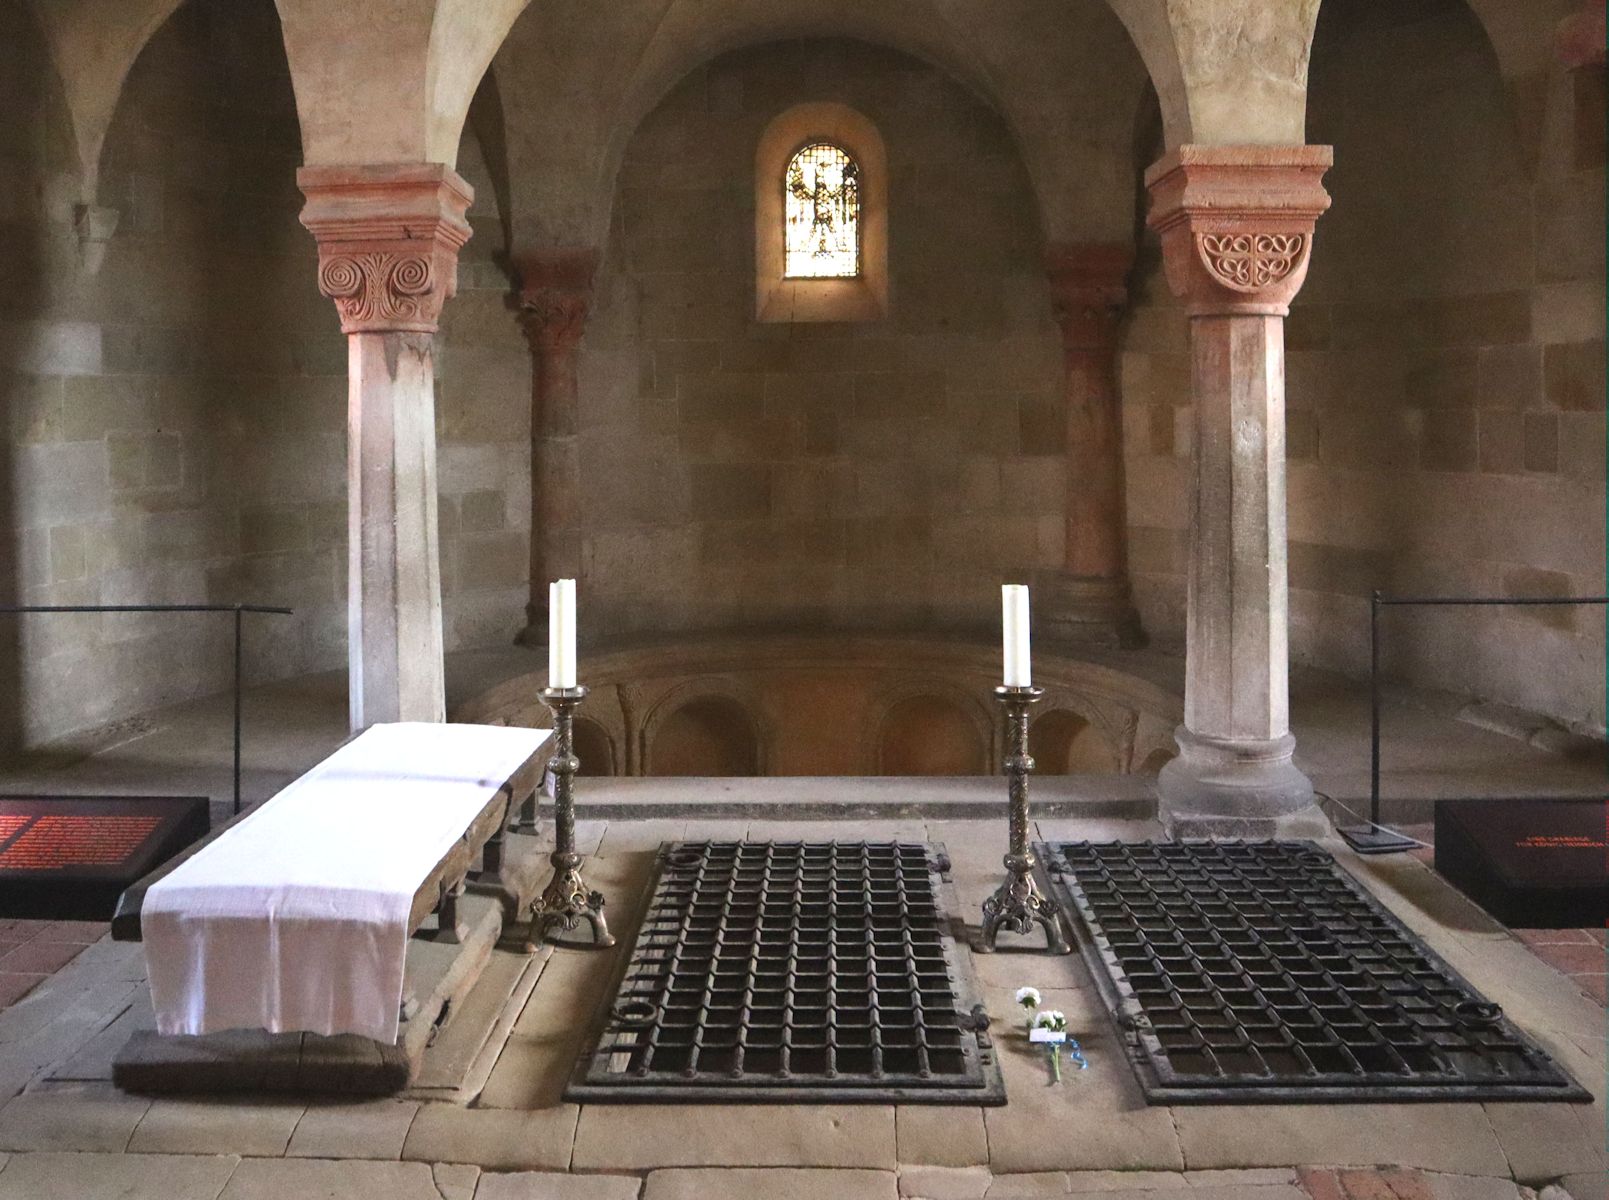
<point x="1236" y="223"/>
<point x="555" y="294"/>
<point x="1088" y="291"/>
<point x="388" y="241"/>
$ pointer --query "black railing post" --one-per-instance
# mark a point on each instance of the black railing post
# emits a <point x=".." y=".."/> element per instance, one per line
<point x="239" y="612"/>
<point x="238" y="609"/>
<point x="1372" y="837"/>
<point x="1374" y="708"/>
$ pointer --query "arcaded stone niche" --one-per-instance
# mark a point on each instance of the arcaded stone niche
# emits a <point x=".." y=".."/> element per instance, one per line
<point x="786" y="705"/>
<point x="880" y="473"/>
<point x="1063" y="742"/>
<point x="931" y="735"/>
<point x="595" y="748"/>
<point x="1445" y="368"/>
<point x="710" y="735"/>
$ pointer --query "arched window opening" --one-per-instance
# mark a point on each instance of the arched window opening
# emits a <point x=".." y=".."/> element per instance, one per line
<point x="821" y="206"/>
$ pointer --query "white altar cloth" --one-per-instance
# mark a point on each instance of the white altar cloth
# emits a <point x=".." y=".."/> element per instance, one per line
<point x="296" y="918"/>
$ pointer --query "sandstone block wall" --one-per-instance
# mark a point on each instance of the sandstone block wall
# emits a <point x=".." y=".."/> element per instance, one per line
<point x="1445" y="368"/>
<point x="878" y="474"/>
<point x="177" y="427"/>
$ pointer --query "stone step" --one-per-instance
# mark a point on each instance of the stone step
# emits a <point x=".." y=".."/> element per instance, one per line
<point x="1131" y="797"/>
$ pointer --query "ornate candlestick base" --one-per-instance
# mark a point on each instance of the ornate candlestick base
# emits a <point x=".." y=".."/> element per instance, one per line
<point x="566" y="901"/>
<point x="1016" y="905"/>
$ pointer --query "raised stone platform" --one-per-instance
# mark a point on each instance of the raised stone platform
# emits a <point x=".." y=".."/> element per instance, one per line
<point x="442" y="980"/>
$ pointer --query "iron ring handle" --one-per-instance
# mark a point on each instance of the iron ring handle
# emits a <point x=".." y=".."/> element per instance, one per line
<point x="634" y="1014"/>
<point x="1478" y="1013"/>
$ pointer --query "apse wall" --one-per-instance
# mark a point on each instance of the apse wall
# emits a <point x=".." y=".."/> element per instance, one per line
<point x="879" y="474"/>
<point x="177" y="418"/>
<point x="1445" y="369"/>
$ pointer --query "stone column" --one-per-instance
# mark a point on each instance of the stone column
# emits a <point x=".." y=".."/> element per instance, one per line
<point x="1236" y="224"/>
<point x="555" y="290"/>
<point x="388" y="240"/>
<point x="1087" y="602"/>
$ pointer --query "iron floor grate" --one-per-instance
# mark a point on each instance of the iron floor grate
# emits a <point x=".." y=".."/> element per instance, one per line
<point x="1244" y="972"/>
<point x="794" y="972"/>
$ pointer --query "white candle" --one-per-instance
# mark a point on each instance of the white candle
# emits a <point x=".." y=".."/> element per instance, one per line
<point x="1014" y="634"/>
<point x="561" y="633"/>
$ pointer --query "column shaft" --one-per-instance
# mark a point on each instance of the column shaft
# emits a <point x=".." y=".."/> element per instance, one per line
<point x="388" y="240"/>
<point x="1087" y="601"/>
<point x="1235" y="683"/>
<point x="555" y="291"/>
<point x="394" y="646"/>
<point x="1237" y="229"/>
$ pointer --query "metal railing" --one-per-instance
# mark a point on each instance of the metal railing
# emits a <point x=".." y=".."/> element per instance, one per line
<point x="1377" y="601"/>
<point x="240" y="610"/>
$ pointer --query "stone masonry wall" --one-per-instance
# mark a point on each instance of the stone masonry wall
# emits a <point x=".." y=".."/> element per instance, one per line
<point x="1445" y="369"/>
<point x="178" y="418"/>
<point x="881" y="474"/>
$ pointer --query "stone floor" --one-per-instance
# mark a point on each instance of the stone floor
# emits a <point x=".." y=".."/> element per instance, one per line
<point x="1578" y="953"/>
<point x="1090" y="1135"/>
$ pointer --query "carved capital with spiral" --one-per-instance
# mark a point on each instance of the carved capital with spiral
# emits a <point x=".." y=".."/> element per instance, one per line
<point x="555" y="294"/>
<point x="388" y="241"/>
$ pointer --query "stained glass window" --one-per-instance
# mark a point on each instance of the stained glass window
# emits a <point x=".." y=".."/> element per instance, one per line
<point x="821" y="214"/>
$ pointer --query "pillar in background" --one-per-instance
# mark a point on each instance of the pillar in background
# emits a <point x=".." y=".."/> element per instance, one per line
<point x="1236" y="224"/>
<point x="388" y="240"/>
<point x="555" y="291"/>
<point x="1087" y="602"/>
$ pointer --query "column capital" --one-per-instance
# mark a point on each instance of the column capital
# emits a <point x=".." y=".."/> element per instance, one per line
<point x="1088" y="290"/>
<point x="1236" y="223"/>
<point x="1578" y="39"/>
<point x="388" y="240"/>
<point x="555" y="294"/>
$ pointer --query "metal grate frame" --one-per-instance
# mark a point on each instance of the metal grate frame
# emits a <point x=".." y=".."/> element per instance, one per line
<point x="795" y="972"/>
<point x="1241" y="972"/>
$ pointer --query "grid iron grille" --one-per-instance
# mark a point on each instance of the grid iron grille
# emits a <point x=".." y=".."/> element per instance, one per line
<point x="1243" y="972"/>
<point x="793" y="971"/>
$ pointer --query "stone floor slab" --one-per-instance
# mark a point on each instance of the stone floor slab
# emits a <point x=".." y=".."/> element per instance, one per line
<point x="940" y="1135"/>
<point x="1080" y="1183"/>
<point x="547" y="1185"/>
<point x="1592" y="1186"/>
<point x="1242" y="1176"/>
<point x="944" y="1183"/>
<point x="1434" y="1137"/>
<point x="748" y="1184"/>
<point x="1545" y="1141"/>
<point x="317" y="1179"/>
<point x="644" y="1137"/>
<point x="498" y="1139"/>
<point x="375" y="1129"/>
<point x="455" y="1181"/>
<point x="224" y="1126"/>
<point x="51" y="1176"/>
<point x="1026" y="1185"/>
<point x="1094" y="1120"/>
<point x="1471" y="1187"/>
<point x="92" y="1117"/>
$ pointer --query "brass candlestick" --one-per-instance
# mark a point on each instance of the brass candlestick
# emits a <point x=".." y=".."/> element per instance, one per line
<point x="566" y="901"/>
<point x="1017" y="905"/>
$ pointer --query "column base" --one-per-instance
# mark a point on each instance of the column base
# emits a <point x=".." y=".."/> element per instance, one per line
<point x="1086" y="610"/>
<point x="1237" y="788"/>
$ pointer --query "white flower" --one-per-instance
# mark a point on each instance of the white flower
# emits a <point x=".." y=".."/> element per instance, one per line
<point x="1028" y="997"/>
<point x="1051" y="1019"/>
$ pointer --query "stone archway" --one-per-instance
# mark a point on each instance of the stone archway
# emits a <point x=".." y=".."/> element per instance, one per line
<point x="928" y="734"/>
<point x="709" y="735"/>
